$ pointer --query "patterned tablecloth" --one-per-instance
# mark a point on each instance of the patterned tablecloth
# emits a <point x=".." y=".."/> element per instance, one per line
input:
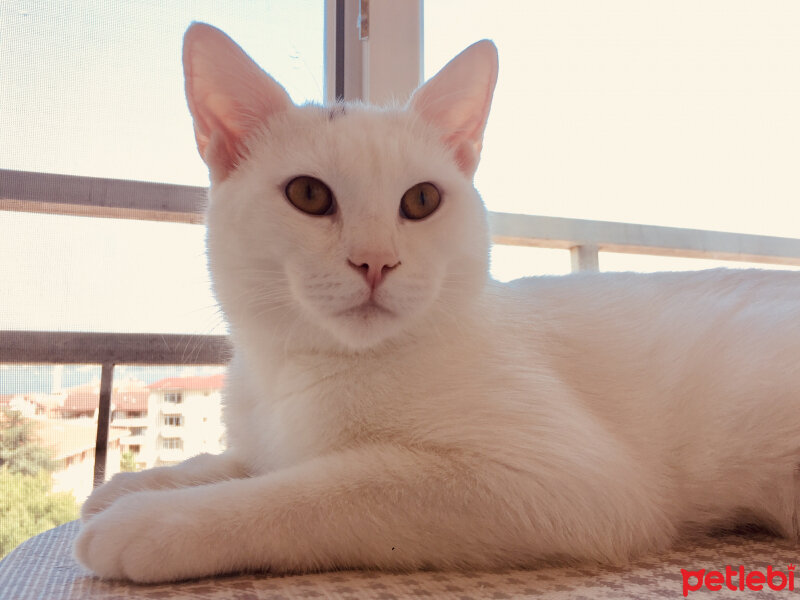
<point x="43" y="568"/>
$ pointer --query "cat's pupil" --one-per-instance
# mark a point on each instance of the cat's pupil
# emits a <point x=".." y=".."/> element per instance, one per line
<point x="419" y="201"/>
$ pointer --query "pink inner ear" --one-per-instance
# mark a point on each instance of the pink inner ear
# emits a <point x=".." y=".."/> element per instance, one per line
<point x="220" y="154"/>
<point x="228" y="96"/>
<point x="467" y="157"/>
<point x="457" y="100"/>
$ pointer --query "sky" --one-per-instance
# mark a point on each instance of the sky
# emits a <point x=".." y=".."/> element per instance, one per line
<point x="681" y="113"/>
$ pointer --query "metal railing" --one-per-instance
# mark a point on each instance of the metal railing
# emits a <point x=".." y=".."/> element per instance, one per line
<point x="95" y="197"/>
<point x="108" y="350"/>
<point x="585" y="239"/>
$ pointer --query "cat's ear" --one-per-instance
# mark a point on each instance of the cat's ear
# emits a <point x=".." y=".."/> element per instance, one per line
<point x="228" y="95"/>
<point x="457" y="99"/>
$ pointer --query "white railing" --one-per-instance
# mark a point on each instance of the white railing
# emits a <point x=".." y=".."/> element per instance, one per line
<point x="584" y="239"/>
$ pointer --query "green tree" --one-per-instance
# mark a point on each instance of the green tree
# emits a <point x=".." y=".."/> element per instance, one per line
<point x="19" y="450"/>
<point x="127" y="462"/>
<point x="28" y="506"/>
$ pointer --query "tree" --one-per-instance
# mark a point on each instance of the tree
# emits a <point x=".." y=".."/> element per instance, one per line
<point x="27" y="504"/>
<point x="127" y="462"/>
<point x="28" y="507"/>
<point x="19" y="452"/>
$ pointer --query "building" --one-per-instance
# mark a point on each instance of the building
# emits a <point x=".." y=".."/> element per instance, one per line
<point x="21" y="403"/>
<point x="32" y="405"/>
<point x="128" y="400"/>
<point x="184" y="419"/>
<point x="160" y="424"/>
<point x="128" y="416"/>
<point x="129" y="411"/>
<point x="72" y="445"/>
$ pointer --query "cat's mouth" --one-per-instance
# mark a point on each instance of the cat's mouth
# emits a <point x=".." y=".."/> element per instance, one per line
<point x="366" y="310"/>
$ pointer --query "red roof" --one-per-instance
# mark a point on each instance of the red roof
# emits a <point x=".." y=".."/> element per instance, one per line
<point x="130" y="400"/>
<point x="208" y="382"/>
<point x="85" y="398"/>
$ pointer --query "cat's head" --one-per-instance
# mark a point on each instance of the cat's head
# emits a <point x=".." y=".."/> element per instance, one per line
<point x="347" y="225"/>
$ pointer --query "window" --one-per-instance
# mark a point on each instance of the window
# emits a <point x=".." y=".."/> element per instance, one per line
<point x="669" y="113"/>
<point x="109" y="74"/>
<point x="95" y="89"/>
<point x="173" y="420"/>
<point x="172" y="444"/>
<point x="173" y="398"/>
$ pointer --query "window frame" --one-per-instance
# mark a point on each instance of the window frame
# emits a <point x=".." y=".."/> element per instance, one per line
<point x="173" y="398"/>
<point x="374" y="50"/>
<point x="171" y="443"/>
<point x="173" y="421"/>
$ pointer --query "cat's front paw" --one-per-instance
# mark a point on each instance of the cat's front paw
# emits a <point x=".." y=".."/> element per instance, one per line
<point x="147" y="537"/>
<point x="119" y="485"/>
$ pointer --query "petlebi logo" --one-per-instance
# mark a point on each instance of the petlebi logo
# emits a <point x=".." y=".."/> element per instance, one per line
<point x="738" y="578"/>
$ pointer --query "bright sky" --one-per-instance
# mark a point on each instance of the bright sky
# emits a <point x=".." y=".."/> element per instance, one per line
<point x="681" y="113"/>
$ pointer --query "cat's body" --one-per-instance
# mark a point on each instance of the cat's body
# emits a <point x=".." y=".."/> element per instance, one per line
<point x="389" y="406"/>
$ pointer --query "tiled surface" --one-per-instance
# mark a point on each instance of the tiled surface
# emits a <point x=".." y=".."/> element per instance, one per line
<point x="43" y="569"/>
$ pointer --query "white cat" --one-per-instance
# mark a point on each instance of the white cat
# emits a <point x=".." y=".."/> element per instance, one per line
<point x="390" y="406"/>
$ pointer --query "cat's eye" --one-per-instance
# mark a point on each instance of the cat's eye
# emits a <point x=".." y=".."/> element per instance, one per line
<point x="419" y="201"/>
<point x="310" y="195"/>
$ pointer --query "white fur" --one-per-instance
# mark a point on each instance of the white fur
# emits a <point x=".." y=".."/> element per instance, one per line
<point x="590" y="417"/>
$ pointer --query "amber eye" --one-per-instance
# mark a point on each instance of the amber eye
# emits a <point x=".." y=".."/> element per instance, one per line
<point x="419" y="201"/>
<point x="310" y="195"/>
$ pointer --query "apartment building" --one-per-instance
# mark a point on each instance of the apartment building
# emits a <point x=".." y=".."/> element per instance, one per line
<point x="128" y="400"/>
<point x="72" y="445"/>
<point x="184" y="418"/>
<point x="159" y="424"/>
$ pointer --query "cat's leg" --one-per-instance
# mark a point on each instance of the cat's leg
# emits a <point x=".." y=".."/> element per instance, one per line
<point x="384" y="506"/>
<point x="777" y="500"/>
<point x="199" y="470"/>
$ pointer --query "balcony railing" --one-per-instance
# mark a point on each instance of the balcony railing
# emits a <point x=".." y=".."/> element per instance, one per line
<point x="107" y="350"/>
<point x="87" y="196"/>
<point x="131" y="422"/>
<point x="133" y="440"/>
<point x="171" y="431"/>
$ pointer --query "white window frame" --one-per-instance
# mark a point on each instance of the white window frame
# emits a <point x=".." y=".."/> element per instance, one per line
<point x="381" y="46"/>
<point x="173" y="398"/>
<point x="173" y="420"/>
<point x="172" y="443"/>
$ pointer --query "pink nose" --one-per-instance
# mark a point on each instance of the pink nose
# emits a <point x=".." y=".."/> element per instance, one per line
<point x="373" y="267"/>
